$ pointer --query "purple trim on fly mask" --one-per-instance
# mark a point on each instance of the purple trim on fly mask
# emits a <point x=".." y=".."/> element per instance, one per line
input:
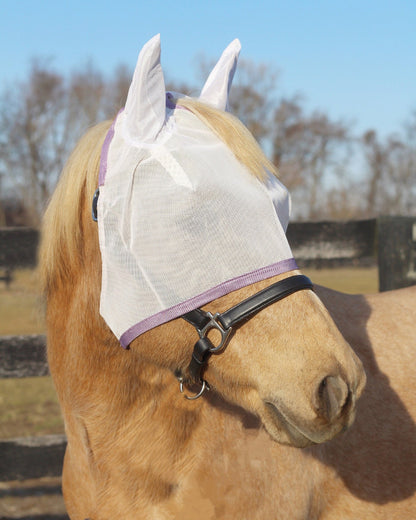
<point x="104" y="151"/>
<point x="201" y="299"/>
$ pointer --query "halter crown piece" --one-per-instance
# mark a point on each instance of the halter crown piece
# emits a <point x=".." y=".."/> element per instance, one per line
<point x="181" y="220"/>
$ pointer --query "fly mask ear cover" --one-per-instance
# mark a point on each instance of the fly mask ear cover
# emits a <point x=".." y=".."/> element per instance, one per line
<point x="181" y="221"/>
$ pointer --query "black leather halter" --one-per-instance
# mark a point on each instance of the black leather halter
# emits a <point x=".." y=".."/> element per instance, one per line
<point x="225" y="322"/>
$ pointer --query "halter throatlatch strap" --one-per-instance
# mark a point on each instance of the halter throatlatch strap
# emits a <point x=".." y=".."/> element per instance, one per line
<point x="225" y="322"/>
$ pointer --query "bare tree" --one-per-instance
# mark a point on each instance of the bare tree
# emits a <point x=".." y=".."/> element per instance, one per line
<point x="40" y="121"/>
<point x="253" y="95"/>
<point x="408" y="168"/>
<point x="116" y="89"/>
<point x="30" y="150"/>
<point x="391" y="172"/>
<point x="307" y="150"/>
<point x="376" y="157"/>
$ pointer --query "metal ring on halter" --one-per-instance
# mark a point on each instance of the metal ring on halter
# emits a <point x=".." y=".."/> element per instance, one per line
<point x="205" y="386"/>
<point x="214" y="324"/>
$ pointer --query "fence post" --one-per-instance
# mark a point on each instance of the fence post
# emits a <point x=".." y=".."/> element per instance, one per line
<point x="396" y="252"/>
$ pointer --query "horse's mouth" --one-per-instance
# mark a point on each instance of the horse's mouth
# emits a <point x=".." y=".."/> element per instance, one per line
<point x="288" y="431"/>
<point x="282" y="430"/>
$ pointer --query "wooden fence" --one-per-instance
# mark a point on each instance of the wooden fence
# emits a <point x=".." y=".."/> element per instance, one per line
<point x="387" y="242"/>
<point x="34" y="457"/>
<point x="26" y="458"/>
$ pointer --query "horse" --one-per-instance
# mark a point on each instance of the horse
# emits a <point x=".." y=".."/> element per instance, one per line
<point x="305" y="412"/>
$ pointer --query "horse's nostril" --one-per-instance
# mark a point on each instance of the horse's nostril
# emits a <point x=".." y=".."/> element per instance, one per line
<point x="332" y="395"/>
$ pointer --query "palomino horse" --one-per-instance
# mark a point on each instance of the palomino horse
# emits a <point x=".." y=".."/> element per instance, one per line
<point x="288" y="378"/>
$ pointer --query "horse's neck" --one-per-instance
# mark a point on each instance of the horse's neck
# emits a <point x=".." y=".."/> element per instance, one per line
<point x="127" y="423"/>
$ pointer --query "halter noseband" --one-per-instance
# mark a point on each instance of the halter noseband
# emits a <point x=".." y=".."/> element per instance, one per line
<point x="225" y="322"/>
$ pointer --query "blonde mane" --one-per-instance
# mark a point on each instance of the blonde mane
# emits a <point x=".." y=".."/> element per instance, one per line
<point x="62" y="232"/>
<point x="234" y="134"/>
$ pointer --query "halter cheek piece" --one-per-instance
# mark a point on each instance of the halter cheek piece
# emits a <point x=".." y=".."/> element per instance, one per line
<point x="225" y="323"/>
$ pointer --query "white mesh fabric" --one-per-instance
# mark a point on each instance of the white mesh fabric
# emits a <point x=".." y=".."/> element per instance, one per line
<point x="182" y="222"/>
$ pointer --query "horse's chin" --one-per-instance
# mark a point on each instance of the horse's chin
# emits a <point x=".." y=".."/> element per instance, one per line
<point x="287" y="431"/>
<point x="281" y="430"/>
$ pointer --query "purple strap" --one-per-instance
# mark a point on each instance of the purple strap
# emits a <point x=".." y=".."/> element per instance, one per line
<point x="206" y="297"/>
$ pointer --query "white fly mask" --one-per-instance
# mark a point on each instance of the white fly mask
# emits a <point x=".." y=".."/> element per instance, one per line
<point x="181" y="221"/>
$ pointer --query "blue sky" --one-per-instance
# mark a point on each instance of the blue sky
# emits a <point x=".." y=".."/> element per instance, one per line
<point x="354" y="59"/>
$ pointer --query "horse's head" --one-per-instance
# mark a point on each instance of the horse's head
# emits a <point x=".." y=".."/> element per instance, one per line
<point x="189" y="211"/>
<point x="191" y="215"/>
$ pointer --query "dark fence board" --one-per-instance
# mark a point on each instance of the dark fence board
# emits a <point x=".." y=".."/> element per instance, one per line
<point x="18" y="247"/>
<point x="324" y="242"/>
<point x="31" y="457"/>
<point x="396" y="252"/>
<point x="329" y="244"/>
<point x="23" y="356"/>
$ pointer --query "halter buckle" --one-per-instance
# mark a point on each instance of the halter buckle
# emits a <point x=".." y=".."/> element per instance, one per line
<point x="214" y="324"/>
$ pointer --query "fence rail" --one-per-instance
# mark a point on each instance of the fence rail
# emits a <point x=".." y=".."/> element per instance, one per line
<point x="25" y="458"/>
<point x="389" y="242"/>
<point x="23" y="356"/>
<point x="18" y="247"/>
<point x="330" y="244"/>
<point x="28" y="457"/>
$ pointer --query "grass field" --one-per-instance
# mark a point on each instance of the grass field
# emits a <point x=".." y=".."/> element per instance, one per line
<point x="21" y="308"/>
<point x="30" y="407"/>
<point x="359" y="280"/>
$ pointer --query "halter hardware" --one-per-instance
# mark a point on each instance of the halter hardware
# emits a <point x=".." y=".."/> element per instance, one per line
<point x="94" y="208"/>
<point x="214" y="324"/>
<point x="204" y="348"/>
<point x="204" y="386"/>
<point x="224" y="323"/>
